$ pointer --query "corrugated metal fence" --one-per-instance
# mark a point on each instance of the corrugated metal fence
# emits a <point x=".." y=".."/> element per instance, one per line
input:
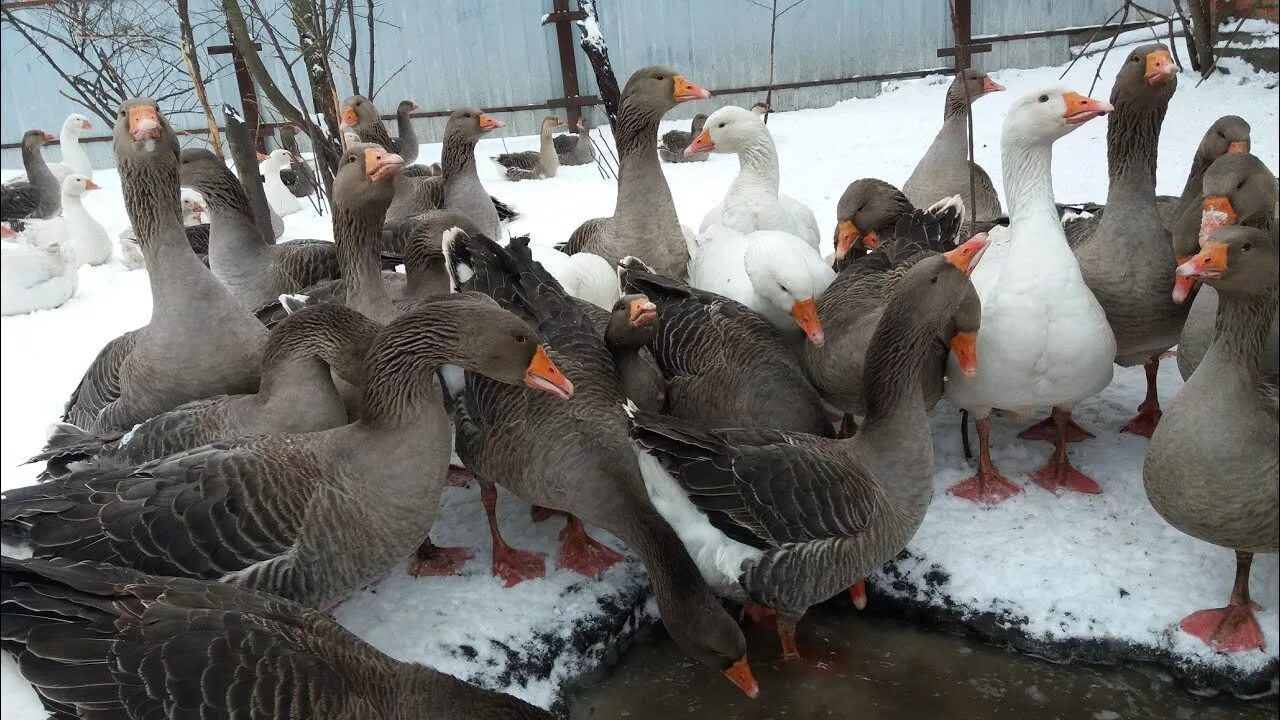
<point x="498" y="54"/>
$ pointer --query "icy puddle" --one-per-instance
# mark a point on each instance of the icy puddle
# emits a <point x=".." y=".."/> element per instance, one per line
<point x="884" y="668"/>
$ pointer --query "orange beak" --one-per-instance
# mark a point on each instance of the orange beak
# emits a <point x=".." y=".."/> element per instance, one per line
<point x="262" y="157"/>
<point x="989" y="85"/>
<point x="1216" y="213"/>
<point x="965" y="347"/>
<point x="487" y="123"/>
<point x="1210" y="262"/>
<point x="1082" y="109"/>
<point x="1238" y="146"/>
<point x="847" y="235"/>
<point x="643" y="312"/>
<point x="48" y="138"/>
<point x="542" y="374"/>
<point x="967" y="254"/>
<point x="380" y="165"/>
<point x="805" y="313"/>
<point x="144" y="122"/>
<point x="1160" y="67"/>
<point x="685" y="90"/>
<point x="1182" y="284"/>
<point x="702" y="143"/>
<point x="86" y="124"/>
<point x="740" y="674"/>
<point x="349" y="118"/>
<point x="6" y="231"/>
<point x="416" y="107"/>
<point x="91" y="185"/>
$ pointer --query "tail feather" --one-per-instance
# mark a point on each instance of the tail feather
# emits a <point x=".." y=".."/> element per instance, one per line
<point x="505" y="211"/>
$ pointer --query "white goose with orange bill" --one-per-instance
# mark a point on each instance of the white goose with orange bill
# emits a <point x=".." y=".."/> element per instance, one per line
<point x="1045" y="339"/>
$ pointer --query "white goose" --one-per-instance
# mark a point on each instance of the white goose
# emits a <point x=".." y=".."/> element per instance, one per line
<point x="774" y="273"/>
<point x="752" y="201"/>
<point x="77" y="230"/>
<point x="74" y="157"/>
<point x="34" y="278"/>
<point x="279" y="197"/>
<point x="1045" y="340"/>
<point x="584" y="275"/>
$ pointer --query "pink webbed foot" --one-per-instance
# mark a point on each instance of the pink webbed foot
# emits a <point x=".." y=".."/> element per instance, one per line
<point x="431" y="560"/>
<point x="1045" y="430"/>
<point x="1144" y="423"/>
<point x="985" y="489"/>
<point x="583" y="554"/>
<point x="1055" y="476"/>
<point x="513" y="566"/>
<point x="1229" y="630"/>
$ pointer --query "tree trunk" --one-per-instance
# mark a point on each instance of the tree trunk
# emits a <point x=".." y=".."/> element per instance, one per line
<point x="1204" y="30"/>
<point x="773" y="31"/>
<point x="597" y="52"/>
<point x="193" y="69"/>
<point x="315" y="56"/>
<point x="240" y="141"/>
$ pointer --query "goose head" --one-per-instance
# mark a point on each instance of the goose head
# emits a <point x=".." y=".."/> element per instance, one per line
<point x="867" y="208"/>
<point x="365" y="179"/>
<point x="784" y="281"/>
<point x="76" y="185"/>
<point x="141" y="128"/>
<point x="75" y="125"/>
<point x="729" y="130"/>
<point x="358" y="111"/>
<point x="656" y="89"/>
<point x="1228" y="134"/>
<point x="941" y="294"/>
<point x="551" y="122"/>
<point x="193" y="208"/>
<point x="277" y="159"/>
<point x="407" y="106"/>
<point x="36" y="139"/>
<point x="1046" y="115"/>
<point x="1148" y="74"/>
<point x="761" y="108"/>
<point x="470" y="123"/>
<point x="633" y="322"/>
<point x="1235" y="259"/>
<point x="972" y="84"/>
<point x="1236" y="188"/>
<point x="204" y="172"/>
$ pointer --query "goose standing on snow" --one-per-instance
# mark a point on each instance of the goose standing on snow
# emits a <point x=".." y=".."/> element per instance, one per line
<point x="753" y="201"/>
<point x="674" y="143"/>
<point x="40" y="195"/>
<point x="1126" y="259"/>
<point x="785" y="519"/>
<point x="199" y="341"/>
<point x="576" y="149"/>
<point x="572" y="455"/>
<point x="1211" y="467"/>
<point x="280" y="197"/>
<point x="944" y="169"/>
<point x="35" y="278"/>
<point x="311" y="516"/>
<point x="120" y="635"/>
<point x="1045" y="339"/>
<point x="75" y="228"/>
<point x="534" y="164"/>
<point x="195" y="222"/>
<point x="74" y="157"/>
<point x="644" y="222"/>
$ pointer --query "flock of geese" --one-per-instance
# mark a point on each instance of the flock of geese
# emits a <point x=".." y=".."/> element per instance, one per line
<point x="279" y="434"/>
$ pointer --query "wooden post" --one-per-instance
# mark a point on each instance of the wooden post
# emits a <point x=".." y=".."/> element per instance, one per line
<point x="561" y="16"/>
<point x="963" y="33"/>
<point x="248" y="93"/>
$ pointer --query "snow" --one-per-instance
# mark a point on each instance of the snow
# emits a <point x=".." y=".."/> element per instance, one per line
<point x="1090" y="569"/>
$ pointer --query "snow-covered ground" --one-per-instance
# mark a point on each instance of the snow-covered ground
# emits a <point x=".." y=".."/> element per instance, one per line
<point x="1077" y="571"/>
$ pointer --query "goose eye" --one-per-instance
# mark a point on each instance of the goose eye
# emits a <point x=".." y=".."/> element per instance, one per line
<point x="1240" y="186"/>
<point x="662" y="77"/>
<point x="1224" y="137"/>
<point x="1044" y="98"/>
<point x="351" y="158"/>
<point x="520" y="339"/>
<point x="1246" y="247"/>
<point x="1134" y="59"/>
<point x="933" y="280"/>
<point x="721" y="124"/>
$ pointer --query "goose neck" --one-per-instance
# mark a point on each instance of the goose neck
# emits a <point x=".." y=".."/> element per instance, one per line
<point x="458" y="156"/>
<point x="358" y="244"/>
<point x="1240" y="334"/>
<point x="1133" y="135"/>
<point x="400" y="373"/>
<point x="1028" y="178"/>
<point x="758" y="165"/>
